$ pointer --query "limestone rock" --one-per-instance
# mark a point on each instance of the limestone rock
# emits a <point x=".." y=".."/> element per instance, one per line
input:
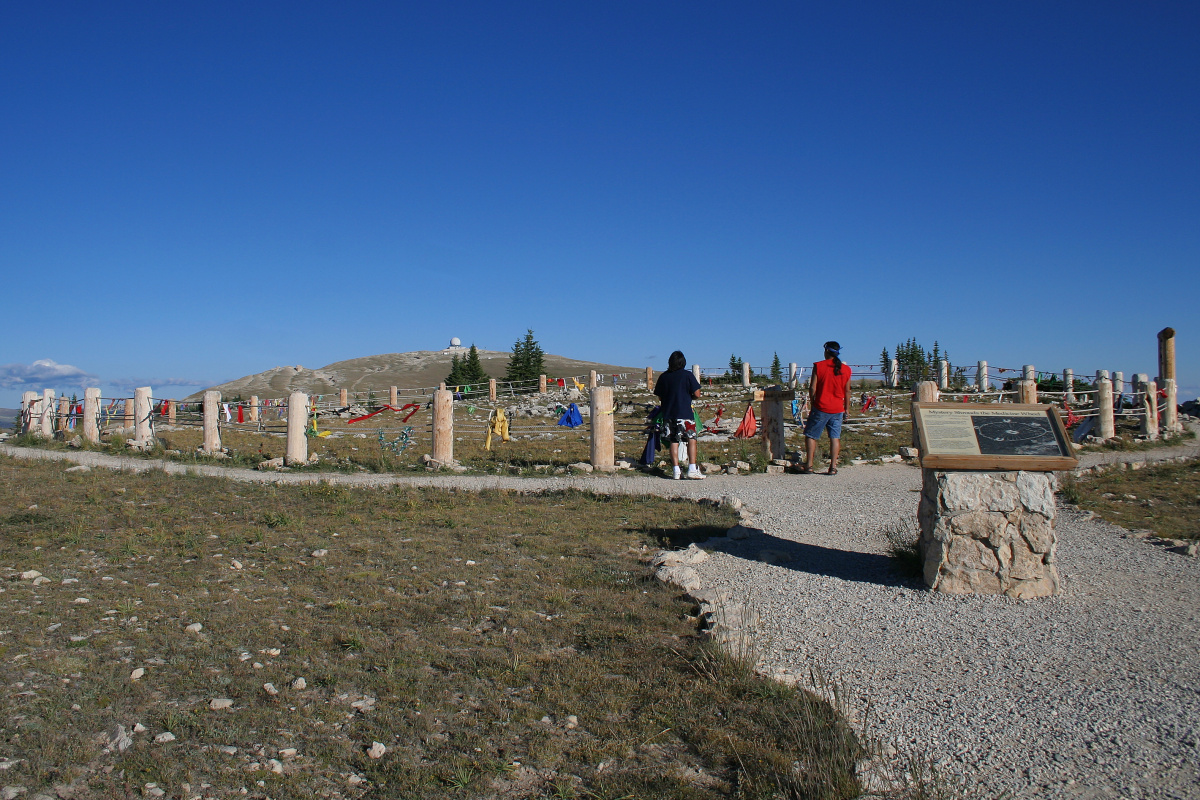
<point x="376" y="750"/>
<point x="581" y="466"/>
<point x="271" y="463"/>
<point x="118" y="739"/>
<point x="220" y="703"/>
<point x="78" y="468"/>
<point x="164" y="737"/>
<point x="690" y="556"/>
<point x="679" y="575"/>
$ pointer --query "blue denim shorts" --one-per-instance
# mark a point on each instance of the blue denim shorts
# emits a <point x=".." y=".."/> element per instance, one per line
<point x="819" y="421"/>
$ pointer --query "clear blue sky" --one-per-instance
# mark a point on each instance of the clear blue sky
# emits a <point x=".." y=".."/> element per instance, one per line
<point x="194" y="192"/>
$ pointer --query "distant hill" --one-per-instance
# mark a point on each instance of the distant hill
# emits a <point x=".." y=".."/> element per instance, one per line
<point x="8" y="417"/>
<point x="415" y="370"/>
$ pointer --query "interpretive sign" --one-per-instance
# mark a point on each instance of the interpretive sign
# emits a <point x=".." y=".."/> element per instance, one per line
<point x="992" y="437"/>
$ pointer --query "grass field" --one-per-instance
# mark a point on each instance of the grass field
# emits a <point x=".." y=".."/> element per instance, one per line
<point x="494" y="645"/>
<point x="1164" y="499"/>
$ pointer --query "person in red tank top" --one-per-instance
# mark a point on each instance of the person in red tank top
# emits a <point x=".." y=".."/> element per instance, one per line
<point x="829" y="390"/>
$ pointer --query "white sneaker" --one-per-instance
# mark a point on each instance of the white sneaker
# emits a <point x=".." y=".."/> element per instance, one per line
<point x="677" y="473"/>
<point x="695" y="474"/>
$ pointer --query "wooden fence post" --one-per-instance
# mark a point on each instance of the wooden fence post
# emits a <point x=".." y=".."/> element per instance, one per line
<point x="541" y="384"/>
<point x="926" y="392"/>
<point x="1118" y="383"/>
<point x="1166" y="354"/>
<point x="1027" y="391"/>
<point x="91" y="415"/>
<point x="745" y="375"/>
<point x="894" y="378"/>
<point x="1150" y="409"/>
<point x="491" y="389"/>
<point x="297" y="425"/>
<point x="944" y="375"/>
<point x="29" y="422"/>
<point x="592" y="379"/>
<point x="1028" y="373"/>
<point x="771" y="410"/>
<point x="793" y="374"/>
<point x="1104" y="406"/>
<point x="343" y="398"/>
<point x="696" y="372"/>
<point x="443" y="427"/>
<point x="141" y="414"/>
<point x="1069" y="385"/>
<point x="1171" y="412"/>
<point x="64" y="414"/>
<point x="650" y="379"/>
<point x="47" y="416"/>
<point x="212" y="429"/>
<point x="602" y="429"/>
<point x="394" y="396"/>
<point x="254" y="408"/>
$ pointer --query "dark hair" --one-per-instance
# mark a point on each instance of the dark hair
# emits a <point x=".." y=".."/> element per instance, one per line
<point x="832" y="349"/>
<point x="676" y="361"/>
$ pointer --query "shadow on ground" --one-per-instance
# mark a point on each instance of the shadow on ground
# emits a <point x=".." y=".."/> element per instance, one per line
<point x="848" y="565"/>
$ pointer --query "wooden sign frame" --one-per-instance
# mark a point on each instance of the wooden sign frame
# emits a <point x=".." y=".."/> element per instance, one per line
<point x="931" y="458"/>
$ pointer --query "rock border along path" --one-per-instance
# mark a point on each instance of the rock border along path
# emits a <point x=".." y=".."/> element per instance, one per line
<point x="1095" y="693"/>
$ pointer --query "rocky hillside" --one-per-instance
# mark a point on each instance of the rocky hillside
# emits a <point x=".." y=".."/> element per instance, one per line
<point x="418" y="369"/>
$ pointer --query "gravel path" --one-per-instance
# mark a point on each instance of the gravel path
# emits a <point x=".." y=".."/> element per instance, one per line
<point x="1095" y="693"/>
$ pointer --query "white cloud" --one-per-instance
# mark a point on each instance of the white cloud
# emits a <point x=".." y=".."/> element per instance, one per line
<point x="129" y="384"/>
<point x="43" y="373"/>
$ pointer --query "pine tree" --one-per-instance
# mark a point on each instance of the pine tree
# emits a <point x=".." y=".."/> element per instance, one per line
<point x="455" y="378"/>
<point x="471" y="370"/>
<point x="527" y="361"/>
<point x="776" y="369"/>
<point x="735" y="366"/>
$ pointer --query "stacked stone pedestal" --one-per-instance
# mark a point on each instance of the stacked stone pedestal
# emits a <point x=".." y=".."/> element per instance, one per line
<point x="989" y="532"/>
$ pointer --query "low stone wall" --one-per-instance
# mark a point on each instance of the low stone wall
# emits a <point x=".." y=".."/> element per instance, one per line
<point x="989" y="532"/>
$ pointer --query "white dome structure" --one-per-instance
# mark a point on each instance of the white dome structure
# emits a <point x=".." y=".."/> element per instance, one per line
<point x="455" y="342"/>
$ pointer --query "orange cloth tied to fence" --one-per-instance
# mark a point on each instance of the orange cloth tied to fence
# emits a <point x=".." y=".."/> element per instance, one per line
<point x="749" y="427"/>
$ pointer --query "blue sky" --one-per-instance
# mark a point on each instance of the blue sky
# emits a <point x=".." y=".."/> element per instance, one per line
<point x="194" y="192"/>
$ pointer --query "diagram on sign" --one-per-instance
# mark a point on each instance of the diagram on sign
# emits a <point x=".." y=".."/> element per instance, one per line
<point x="1015" y="436"/>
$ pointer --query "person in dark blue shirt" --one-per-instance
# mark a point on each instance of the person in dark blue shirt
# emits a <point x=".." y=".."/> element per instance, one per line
<point x="676" y="388"/>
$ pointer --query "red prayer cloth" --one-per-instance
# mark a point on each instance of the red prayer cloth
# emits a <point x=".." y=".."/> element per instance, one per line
<point x="749" y="427"/>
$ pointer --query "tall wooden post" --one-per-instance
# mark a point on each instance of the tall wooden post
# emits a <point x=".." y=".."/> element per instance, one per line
<point x="745" y="375"/>
<point x="1101" y="373"/>
<point x="172" y="409"/>
<point x="297" y="423"/>
<point x="696" y="372"/>
<point x="343" y="398"/>
<point x="926" y="392"/>
<point x="1150" y="410"/>
<point x="1104" y="407"/>
<point x="141" y="414"/>
<point x="394" y="396"/>
<point x="771" y="410"/>
<point x="253" y="408"/>
<point x="894" y="378"/>
<point x="541" y="384"/>
<point x="592" y="379"/>
<point x="602" y="428"/>
<point x="981" y="376"/>
<point x="127" y="412"/>
<point x="1069" y="386"/>
<point x="443" y="426"/>
<point x="793" y="374"/>
<point x="1028" y="373"/>
<point x="944" y="375"/>
<point x="492" y="389"/>
<point x="1118" y="383"/>
<point x="1027" y="391"/>
<point x="63" y="415"/>
<point x="30" y="423"/>
<point x="91" y="415"/>
<point x="650" y="379"/>
<point x="1166" y="354"/>
<point x="1170" y="419"/>
<point x="212" y="428"/>
<point x="47" y="416"/>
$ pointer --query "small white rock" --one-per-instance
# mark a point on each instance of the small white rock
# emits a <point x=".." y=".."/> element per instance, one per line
<point x="299" y="684"/>
<point x="270" y="689"/>
<point x="29" y="575"/>
<point x="139" y="727"/>
<point x="288" y="752"/>
<point x="137" y="674"/>
<point x="319" y="553"/>
<point x="275" y="765"/>
<point x="40" y="579"/>
<point x="218" y="703"/>
<point x="227" y="749"/>
<point x="195" y="627"/>
<point x="81" y="601"/>
<point x="376" y="750"/>
<point x="164" y="737"/>
<point x="572" y="721"/>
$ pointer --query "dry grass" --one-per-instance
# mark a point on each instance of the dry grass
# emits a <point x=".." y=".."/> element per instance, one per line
<point x="461" y="631"/>
<point x="1164" y="499"/>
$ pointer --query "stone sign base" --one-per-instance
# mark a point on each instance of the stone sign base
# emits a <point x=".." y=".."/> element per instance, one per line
<point x="989" y="532"/>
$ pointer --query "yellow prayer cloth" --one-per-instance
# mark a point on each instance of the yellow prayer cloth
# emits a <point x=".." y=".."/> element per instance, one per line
<point x="498" y="425"/>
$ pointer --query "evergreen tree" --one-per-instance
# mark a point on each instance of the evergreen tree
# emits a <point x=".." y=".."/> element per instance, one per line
<point x="776" y="369"/>
<point x="471" y="370"/>
<point x="735" y="366"/>
<point x="455" y="378"/>
<point x="885" y="361"/>
<point x="527" y="361"/>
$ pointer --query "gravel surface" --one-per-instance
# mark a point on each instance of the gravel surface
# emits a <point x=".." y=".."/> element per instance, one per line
<point x="1090" y="694"/>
